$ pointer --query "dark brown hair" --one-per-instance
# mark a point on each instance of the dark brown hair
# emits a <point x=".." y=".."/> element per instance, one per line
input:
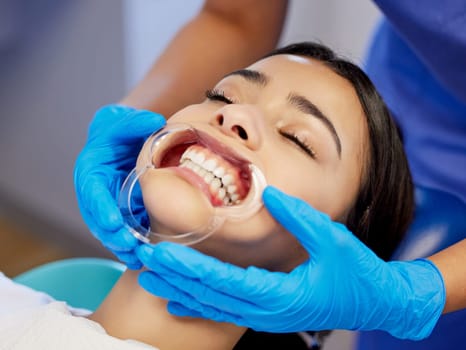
<point x="385" y="202"/>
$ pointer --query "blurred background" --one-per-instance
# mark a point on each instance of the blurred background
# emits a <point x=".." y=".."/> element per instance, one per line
<point x="62" y="59"/>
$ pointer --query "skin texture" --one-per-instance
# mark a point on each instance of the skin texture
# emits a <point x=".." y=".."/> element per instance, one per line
<point x="451" y="263"/>
<point x="329" y="181"/>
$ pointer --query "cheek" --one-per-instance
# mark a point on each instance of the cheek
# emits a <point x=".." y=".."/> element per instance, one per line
<point x="328" y="189"/>
<point x="299" y="177"/>
<point x="259" y="241"/>
<point x="253" y="230"/>
<point x="172" y="215"/>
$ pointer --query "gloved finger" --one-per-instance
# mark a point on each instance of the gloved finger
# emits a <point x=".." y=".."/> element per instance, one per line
<point x="132" y="125"/>
<point x="179" y="310"/>
<point x="105" y="115"/>
<point x="195" y="291"/>
<point x="173" y="256"/>
<point x="119" y="241"/>
<point x="139" y="124"/>
<point x="155" y="284"/>
<point x="129" y="259"/>
<point x="135" y="267"/>
<point x="107" y="238"/>
<point x="222" y="279"/>
<point x="99" y="202"/>
<point x="296" y="216"/>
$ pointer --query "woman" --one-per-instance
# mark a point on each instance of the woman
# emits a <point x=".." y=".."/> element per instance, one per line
<point x="318" y="130"/>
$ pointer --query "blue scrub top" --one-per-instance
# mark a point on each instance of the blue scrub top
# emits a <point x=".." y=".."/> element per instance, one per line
<point x="417" y="60"/>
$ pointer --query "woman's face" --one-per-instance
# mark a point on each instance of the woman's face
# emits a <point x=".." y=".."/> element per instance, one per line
<point x="294" y="118"/>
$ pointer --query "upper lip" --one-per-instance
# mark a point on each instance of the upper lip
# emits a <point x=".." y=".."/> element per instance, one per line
<point x="221" y="148"/>
<point x="210" y="139"/>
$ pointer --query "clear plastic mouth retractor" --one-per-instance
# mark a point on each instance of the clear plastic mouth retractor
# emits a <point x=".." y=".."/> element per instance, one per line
<point x="131" y="201"/>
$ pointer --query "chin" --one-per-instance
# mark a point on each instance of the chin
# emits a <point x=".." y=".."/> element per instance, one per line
<point x="258" y="241"/>
<point x="173" y="214"/>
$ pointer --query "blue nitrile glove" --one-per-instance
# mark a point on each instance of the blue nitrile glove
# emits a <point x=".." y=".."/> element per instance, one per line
<point x="115" y="138"/>
<point x="343" y="285"/>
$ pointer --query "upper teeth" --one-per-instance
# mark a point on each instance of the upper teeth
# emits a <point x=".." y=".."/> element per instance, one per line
<point x="216" y="176"/>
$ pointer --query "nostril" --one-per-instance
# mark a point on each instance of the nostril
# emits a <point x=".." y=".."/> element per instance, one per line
<point x="220" y="119"/>
<point x="240" y="131"/>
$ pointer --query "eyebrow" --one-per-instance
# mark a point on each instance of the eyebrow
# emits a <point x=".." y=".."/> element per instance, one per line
<point x="306" y="106"/>
<point x="298" y="101"/>
<point x="252" y="76"/>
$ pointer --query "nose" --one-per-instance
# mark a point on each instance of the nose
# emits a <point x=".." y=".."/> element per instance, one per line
<point x="243" y="122"/>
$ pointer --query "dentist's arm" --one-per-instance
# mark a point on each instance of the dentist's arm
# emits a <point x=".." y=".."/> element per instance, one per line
<point x="452" y="264"/>
<point x="343" y="285"/>
<point x="224" y="36"/>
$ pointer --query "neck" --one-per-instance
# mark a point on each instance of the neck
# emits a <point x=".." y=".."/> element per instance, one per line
<point x="129" y="312"/>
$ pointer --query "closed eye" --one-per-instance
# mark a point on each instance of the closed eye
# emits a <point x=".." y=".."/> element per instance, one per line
<point x="217" y="95"/>
<point x="300" y="143"/>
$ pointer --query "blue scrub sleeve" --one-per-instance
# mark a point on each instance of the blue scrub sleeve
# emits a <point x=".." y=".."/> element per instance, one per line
<point x="436" y="32"/>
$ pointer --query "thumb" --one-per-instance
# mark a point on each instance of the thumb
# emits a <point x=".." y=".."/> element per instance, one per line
<point x="308" y="225"/>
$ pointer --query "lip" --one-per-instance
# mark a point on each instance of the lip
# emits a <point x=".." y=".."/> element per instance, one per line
<point x="169" y="157"/>
<point x="196" y="181"/>
<point x="222" y="149"/>
<point x="193" y="136"/>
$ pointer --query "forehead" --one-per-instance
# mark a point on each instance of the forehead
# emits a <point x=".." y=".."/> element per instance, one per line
<point x="330" y="92"/>
<point x="305" y="74"/>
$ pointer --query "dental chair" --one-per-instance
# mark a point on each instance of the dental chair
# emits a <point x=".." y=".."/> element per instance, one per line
<point x="81" y="282"/>
<point x="440" y="221"/>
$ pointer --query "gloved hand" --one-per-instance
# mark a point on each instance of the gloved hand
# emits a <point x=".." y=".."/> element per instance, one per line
<point x="343" y="285"/>
<point x="115" y="138"/>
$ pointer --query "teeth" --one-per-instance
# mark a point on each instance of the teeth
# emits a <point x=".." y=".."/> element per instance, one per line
<point x="196" y="168"/>
<point x="219" y="172"/>
<point x="221" y="193"/>
<point x="210" y="165"/>
<point x="215" y="185"/>
<point x="221" y="184"/>
<point x="186" y="155"/>
<point x="198" y="158"/>
<point x="183" y="157"/>
<point x="227" y="180"/>
<point x="208" y="177"/>
<point x="231" y="189"/>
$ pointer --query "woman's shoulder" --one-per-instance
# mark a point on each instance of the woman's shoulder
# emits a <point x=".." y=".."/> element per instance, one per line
<point x="15" y="297"/>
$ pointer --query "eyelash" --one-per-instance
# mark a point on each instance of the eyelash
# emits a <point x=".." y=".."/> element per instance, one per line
<point x="302" y="144"/>
<point x="217" y="95"/>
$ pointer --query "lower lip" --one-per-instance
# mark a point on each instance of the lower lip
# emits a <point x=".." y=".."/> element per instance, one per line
<point x="198" y="182"/>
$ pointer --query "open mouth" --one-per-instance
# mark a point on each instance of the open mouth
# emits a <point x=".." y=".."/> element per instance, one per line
<point x="223" y="175"/>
